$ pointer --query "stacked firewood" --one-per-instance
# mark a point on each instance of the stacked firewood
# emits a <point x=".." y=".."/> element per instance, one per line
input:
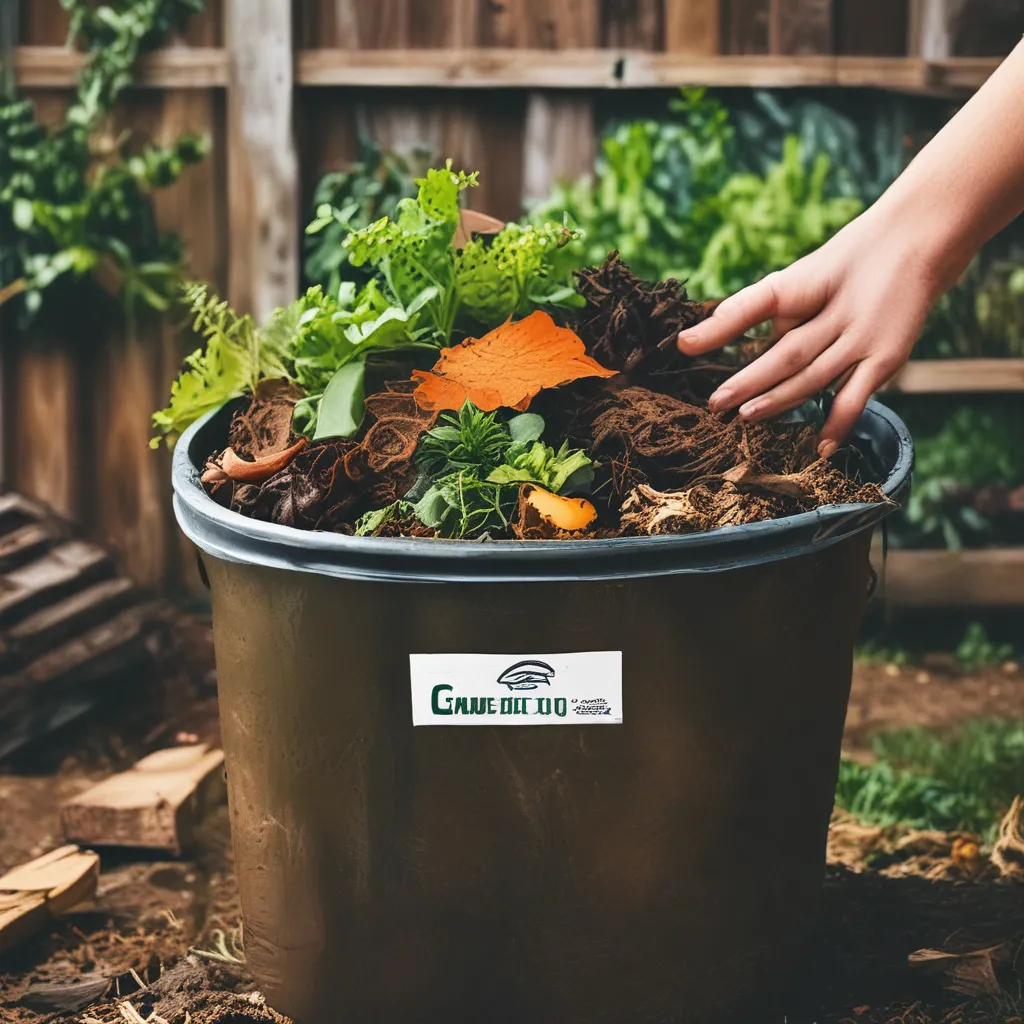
<point x="72" y="627"/>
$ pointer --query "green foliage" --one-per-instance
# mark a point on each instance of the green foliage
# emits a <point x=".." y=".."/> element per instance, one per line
<point x="673" y="199"/>
<point x="420" y="271"/>
<point x="236" y="357"/>
<point x="768" y="223"/>
<point x="341" y="408"/>
<point x="349" y="200"/>
<point x="983" y="315"/>
<point x="874" y="654"/>
<point x="412" y="252"/>
<point x="462" y="505"/>
<point x="470" y="440"/>
<point x="976" y="651"/>
<point x="653" y="191"/>
<point x="515" y="272"/>
<point x="973" y="448"/>
<point x="867" y="153"/>
<point x="923" y="780"/>
<point x="75" y="206"/>
<point x="372" y="521"/>
<point x="474" y="465"/>
<point x="539" y="463"/>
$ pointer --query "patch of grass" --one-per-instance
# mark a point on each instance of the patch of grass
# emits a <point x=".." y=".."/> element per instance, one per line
<point x="976" y="650"/>
<point x="873" y="653"/>
<point x="921" y="779"/>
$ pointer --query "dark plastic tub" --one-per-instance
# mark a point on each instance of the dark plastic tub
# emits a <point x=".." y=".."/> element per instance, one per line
<point x="662" y="869"/>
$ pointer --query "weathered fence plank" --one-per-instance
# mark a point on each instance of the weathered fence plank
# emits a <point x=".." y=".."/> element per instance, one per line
<point x="262" y="163"/>
<point x="693" y="26"/>
<point x="632" y="24"/>
<point x="876" y="28"/>
<point x="800" y="26"/>
<point x="747" y="26"/>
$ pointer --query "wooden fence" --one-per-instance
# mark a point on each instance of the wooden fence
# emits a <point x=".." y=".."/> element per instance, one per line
<point x="503" y="86"/>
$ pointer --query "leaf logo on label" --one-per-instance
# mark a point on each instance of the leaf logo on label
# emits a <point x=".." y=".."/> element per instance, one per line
<point x="527" y="675"/>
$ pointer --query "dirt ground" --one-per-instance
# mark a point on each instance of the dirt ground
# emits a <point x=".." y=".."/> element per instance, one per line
<point x="126" y="956"/>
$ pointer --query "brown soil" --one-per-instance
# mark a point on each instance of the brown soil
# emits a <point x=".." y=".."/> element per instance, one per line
<point x="886" y="895"/>
<point x="933" y="694"/>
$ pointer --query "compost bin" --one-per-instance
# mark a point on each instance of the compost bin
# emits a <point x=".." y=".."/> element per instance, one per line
<point x="569" y="781"/>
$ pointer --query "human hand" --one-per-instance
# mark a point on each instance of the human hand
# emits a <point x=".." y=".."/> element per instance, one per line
<point x="847" y="315"/>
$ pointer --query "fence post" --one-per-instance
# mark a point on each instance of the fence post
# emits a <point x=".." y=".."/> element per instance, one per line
<point x="263" y="200"/>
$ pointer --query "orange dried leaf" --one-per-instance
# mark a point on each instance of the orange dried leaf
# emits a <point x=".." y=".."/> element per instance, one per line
<point x="261" y="469"/>
<point x="507" y="367"/>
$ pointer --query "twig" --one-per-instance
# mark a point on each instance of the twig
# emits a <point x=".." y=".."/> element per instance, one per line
<point x="221" y="952"/>
<point x="131" y="1014"/>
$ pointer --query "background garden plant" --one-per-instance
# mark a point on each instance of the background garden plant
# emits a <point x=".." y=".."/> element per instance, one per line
<point x="76" y="206"/>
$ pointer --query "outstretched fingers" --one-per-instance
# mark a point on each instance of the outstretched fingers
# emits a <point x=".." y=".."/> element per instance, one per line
<point x="786" y="360"/>
<point x="733" y="317"/>
<point x="849" y="404"/>
<point x="810" y="381"/>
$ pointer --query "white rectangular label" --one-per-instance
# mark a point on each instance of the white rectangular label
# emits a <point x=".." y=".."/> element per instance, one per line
<point x="517" y="689"/>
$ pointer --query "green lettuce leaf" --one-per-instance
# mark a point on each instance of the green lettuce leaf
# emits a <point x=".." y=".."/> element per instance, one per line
<point x="513" y="272"/>
<point x="341" y="409"/>
<point x="540" y="464"/>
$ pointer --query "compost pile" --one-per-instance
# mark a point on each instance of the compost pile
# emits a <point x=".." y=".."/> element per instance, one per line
<point x="478" y="388"/>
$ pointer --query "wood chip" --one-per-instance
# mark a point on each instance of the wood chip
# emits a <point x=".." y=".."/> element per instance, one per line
<point x="970" y="974"/>
<point x="36" y="892"/>
<point x="154" y="805"/>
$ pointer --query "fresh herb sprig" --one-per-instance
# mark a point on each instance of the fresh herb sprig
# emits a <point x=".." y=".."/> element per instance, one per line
<point x="475" y="464"/>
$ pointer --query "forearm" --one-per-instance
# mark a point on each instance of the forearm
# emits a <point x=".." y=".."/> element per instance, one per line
<point x="968" y="182"/>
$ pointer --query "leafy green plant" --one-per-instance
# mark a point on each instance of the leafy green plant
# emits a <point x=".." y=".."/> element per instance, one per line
<point x="868" y="152"/>
<point x="973" y="448"/>
<point x="348" y="200"/>
<point x="541" y="464"/>
<point x="652" y="193"/>
<point x="236" y="357"/>
<point x="75" y="206"/>
<point x="460" y="504"/>
<point x="421" y="293"/>
<point x="964" y="780"/>
<point x="473" y="465"/>
<point x="983" y="315"/>
<point x="976" y="651"/>
<point x="673" y="199"/>
<point x="768" y="223"/>
<point x="470" y="440"/>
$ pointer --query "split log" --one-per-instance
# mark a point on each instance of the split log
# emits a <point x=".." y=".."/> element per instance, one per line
<point x="33" y="894"/>
<point x="155" y="805"/>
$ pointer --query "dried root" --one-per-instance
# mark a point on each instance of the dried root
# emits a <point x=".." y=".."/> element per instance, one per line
<point x="628" y="322"/>
<point x="1008" y="852"/>
<point x="740" y="496"/>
